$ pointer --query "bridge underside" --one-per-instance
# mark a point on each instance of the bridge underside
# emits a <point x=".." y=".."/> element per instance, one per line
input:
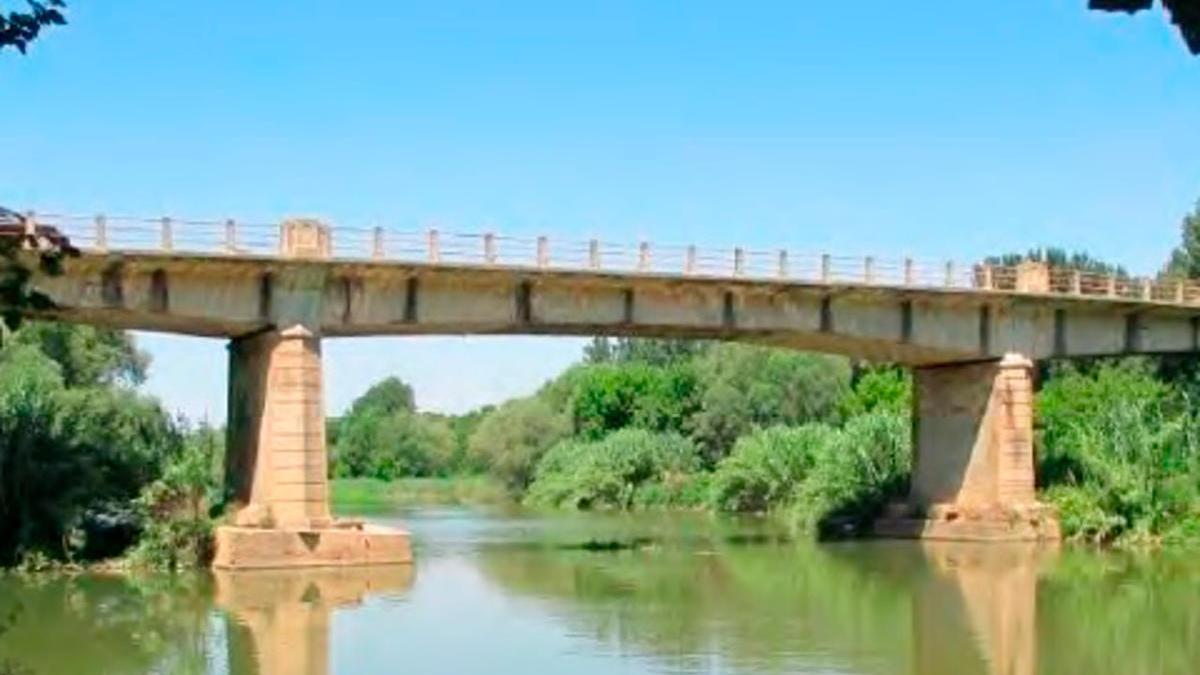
<point x="972" y="352"/>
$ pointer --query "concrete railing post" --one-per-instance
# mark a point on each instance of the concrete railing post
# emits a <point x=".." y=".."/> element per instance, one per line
<point x="1033" y="277"/>
<point x="949" y="281"/>
<point x="101" y="232"/>
<point x="1111" y="288"/>
<point x="868" y="270"/>
<point x="377" y="249"/>
<point x="489" y="248"/>
<point x="826" y="268"/>
<point x="782" y="267"/>
<point x="689" y="260"/>
<point x="643" y="257"/>
<point x="989" y="280"/>
<point x="305" y="238"/>
<point x="543" y="252"/>
<point x="910" y="277"/>
<point x="30" y="226"/>
<point x="1076" y="283"/>
<point x="434" y="247"/>
<point x="739" y="262"/>
<point x="594" y="254"/>
<point x="1180" y="292"/>
<point x="166" y="235"/>
<point x="1147" y="290"/>
<point x="230" y="236"/>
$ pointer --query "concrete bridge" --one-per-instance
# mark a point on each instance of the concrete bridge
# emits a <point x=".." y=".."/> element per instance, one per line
<point x="970" y="331"/>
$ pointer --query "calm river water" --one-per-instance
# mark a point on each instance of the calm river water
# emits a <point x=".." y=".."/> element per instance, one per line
<point x="514" y="593"/>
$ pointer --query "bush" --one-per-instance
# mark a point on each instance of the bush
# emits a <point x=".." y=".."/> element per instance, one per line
<point x="765" y="468"/>
<point x="626" y="468"/>
<point x="1120" y="453"/>
<point x="867" y="463"/>
<point x="511" y="439"/>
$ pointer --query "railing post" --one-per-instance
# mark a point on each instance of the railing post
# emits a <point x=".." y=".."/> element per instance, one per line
<point x="1180" y="292"/>
<point x="782" y="268"/>
<point x="949" y="273"/>
<point x="1076" y="283"/>
<point x="230" y="236"/>
<point x="826" y="268"/>
<point x="1147" y="290"/>
<point x="489" y="248"/>
<point x="989" y="279"/>
<point x="167" y="237"/>
<point x="739" y="262"/>
<point x="868" y="270"/>
<point x="435" y="248"/>
<point x="543" y="252"/>
<point x="909" y="275"/>
<point x="101" y="232"/>
<point x="689" y="260"/>
<point x="1112" y="286"/>
<point x="594" y="254"/>
<point x="377" y="250"/>
<point x="643" y="257"/>
<point x="30" y="228"/>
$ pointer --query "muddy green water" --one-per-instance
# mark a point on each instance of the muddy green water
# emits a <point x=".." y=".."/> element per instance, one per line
<point x="518" y="593"/>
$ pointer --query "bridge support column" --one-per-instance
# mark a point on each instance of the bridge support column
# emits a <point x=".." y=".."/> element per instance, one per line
<point x="973" y="463"/>
<point x="277" y="464"/>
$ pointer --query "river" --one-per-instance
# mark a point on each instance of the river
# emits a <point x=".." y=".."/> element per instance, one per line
<point x="518" y="593"/>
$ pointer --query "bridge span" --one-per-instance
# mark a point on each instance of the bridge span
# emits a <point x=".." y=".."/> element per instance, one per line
<point x="971" y="332"/>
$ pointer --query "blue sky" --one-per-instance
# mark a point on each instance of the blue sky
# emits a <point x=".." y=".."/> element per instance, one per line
<point x="949" y="129"/>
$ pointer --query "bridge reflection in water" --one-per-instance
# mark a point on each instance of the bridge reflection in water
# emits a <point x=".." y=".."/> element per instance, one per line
<point x="278" y="621"/>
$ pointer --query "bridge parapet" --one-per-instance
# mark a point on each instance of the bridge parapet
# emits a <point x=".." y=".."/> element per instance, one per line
<point x="308" y="238"/>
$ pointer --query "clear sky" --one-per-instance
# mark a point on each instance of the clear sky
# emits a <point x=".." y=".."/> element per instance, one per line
<point x="937" y="129"/>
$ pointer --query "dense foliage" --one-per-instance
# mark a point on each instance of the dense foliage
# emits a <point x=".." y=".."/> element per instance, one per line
<point x="77" y="443"/>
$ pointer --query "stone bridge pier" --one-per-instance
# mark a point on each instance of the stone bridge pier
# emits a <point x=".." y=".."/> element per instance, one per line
<point x="973" y="457"/>
<point x="276" y="457"/>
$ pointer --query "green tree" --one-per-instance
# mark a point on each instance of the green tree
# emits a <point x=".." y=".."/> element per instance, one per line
<point x="389" y="395"/>
<point x="378" y="444"/>
<point x="511" y="439"/>
<point x="608" y="397"/>
<point x="650" y="351"/>
<point x="71" y="458"/>
<point x="88" y="356"/>
<point x="1185" y="259"/>
<point x="744" y="387"/>
<point x="18" y="29"/>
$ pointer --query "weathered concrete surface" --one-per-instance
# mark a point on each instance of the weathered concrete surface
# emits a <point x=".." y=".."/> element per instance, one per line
<point x="276" y="458"/>
<point x="236" y="296"/>
<point x="973" y="467"/>
<point x="286" y="615"/>
<point x="240" y="548"/>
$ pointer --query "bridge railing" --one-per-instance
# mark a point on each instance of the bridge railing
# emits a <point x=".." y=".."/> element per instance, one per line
<point x="101" y="233"/>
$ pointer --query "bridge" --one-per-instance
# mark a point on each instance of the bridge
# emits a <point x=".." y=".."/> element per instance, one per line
<point x="971" y="332"/>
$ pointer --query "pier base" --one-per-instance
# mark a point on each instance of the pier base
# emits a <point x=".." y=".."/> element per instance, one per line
<point x="973" y="464"/>
<point x="240" y="548"/>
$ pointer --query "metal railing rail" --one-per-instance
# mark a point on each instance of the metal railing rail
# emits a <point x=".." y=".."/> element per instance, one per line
<point x="229" y="237"/>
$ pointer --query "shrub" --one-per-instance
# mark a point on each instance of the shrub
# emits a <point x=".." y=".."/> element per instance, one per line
<point x="626" y="468"/>
<point x="1120" y="452"/>
<point x="608" y="397"/>
<point x="867" y="464"/>
<point x="766" y="467"/>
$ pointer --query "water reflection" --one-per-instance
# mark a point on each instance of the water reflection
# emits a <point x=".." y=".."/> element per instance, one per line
<point x="279" y="620"/>
<point x="518" y="594"/>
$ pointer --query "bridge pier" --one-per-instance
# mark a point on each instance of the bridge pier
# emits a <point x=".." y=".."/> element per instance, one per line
<point x="973" y="461"/>
<point x="277" y="463"/>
